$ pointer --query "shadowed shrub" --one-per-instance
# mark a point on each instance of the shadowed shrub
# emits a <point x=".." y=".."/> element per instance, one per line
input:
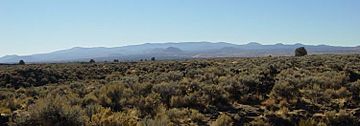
<point x="300" y="51"/>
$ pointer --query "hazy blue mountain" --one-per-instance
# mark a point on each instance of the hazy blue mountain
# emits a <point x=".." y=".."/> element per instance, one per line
<point x="185" y="46"/>
<point x="170" y="50"/>
<point x="176" y="51"/>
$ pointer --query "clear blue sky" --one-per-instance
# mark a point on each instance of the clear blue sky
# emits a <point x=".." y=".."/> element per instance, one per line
<point x="36" y="26"/>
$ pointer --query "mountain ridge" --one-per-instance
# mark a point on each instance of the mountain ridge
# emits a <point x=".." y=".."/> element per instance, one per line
<point x="176" y="50"/>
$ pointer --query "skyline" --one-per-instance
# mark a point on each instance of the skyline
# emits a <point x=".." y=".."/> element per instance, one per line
<point x="40" y="26"/>
<point x="292" y="44"/>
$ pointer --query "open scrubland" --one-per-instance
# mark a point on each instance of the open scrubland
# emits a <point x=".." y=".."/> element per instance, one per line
<point x="303" y="91"/>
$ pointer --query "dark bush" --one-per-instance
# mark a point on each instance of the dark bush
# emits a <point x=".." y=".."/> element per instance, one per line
<point x="92" y="61"/>
<point x="21" y="62"/>
<point x="300" y="51"/>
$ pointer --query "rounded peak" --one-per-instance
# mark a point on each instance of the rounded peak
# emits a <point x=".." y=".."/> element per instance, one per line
<point x="172" y="49"/>
<point x="253" y="43"/>
<point x="322" y="45"/>
<point x="12" y="55"/>
<point x="77" y="47"/>
<point x="222" y="42"/>
<point x="9" y="56"/>
<point x="298" y="44"/>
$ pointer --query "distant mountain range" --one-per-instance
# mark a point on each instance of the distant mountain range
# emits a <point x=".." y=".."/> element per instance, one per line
<point x="179" y="50"/>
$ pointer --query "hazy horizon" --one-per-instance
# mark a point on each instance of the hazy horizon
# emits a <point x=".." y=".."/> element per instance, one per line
<point x="165" y="43"/>
<point x="41" y="26"/>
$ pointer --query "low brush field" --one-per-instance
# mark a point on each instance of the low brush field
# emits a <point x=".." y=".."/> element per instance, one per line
<point x="290" y="91"/>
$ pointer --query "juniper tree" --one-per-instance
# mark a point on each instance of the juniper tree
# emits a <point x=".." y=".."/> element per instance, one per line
<point x="21" y="62"/>
<point x="300" y="51"/>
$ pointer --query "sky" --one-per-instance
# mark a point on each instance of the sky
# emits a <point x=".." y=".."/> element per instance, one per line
<point x="39" y="26"/>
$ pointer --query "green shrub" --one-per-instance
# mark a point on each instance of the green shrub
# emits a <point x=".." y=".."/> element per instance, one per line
<point x="161" y="119"/>
<point x="53" y="110"/>
<point x="223" y="120"/>
<point x="341" y="118"/>
<point x="114" y="96"/>
<point x="308" y="122"/>
<point x="105" y="117"/>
